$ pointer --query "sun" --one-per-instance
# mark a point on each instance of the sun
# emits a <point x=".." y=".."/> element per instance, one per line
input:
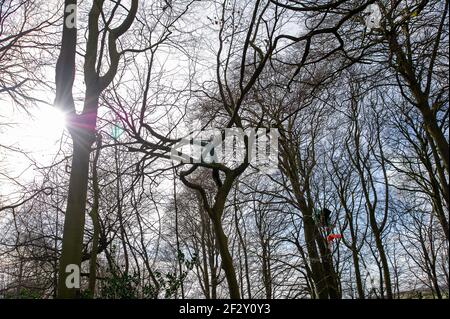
<point x="40" y="131"/>
<point x="33" y="136"/>
<point x="47" y="123"/>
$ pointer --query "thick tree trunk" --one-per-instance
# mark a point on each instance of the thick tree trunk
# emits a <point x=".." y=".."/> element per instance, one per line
<point x="406" y="69"/>
<point x="82" y="129"/>
<point x="329" y="271"/>
<point x="266" y="272"/>
<point x="359" y="285"/>
<point x="314" y="259"/>
<point x="438" y="136"/>
<point x="384" y="264"/>
<point x="227" y="261"/>
<point x="354" y="249"/>
<point x="72" y="244"/>
<point x="244" y="250"/>
<point x="310" y="234"/>
<point x="215" y="213"/>
<point x="177" y="236"/>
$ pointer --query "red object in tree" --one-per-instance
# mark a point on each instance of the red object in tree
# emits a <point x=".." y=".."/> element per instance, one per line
<point x="331" y="237"/>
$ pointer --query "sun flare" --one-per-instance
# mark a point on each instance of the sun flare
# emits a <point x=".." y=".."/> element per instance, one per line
<point x="48" y="123"/>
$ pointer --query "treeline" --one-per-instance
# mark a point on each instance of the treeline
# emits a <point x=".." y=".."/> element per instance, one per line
<point x="362" y="117"/>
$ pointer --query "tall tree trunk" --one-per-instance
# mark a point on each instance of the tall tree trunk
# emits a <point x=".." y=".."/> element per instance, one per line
<point x="227" y="261"/>
<point x="314" y="258"/>
<point x="95" y="221"/>
<point x="72" y="244"/>
<point x="244" y="247"/>
<point x="359" y="285"/>
<point x="354" y="249"/>
<point x="355" y="252"/>
<point x="310" y="233"/>
<point x="406" y="69"/>
<point x="436" y="133"/>
<point x="329" y="271"/>
<point x="177" y="235"/>
<point x="82" y="127"/>
<point x="215" y="214"/>
<point x="383" y="259"/>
